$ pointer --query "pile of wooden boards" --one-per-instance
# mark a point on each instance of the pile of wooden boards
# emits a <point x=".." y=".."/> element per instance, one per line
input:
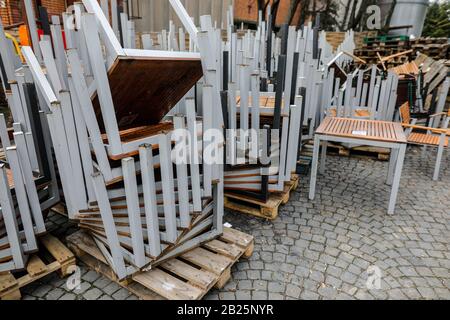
<point x="433" y="84"/>
<point x="426" y="83"/>
<point x="401" y="49"/>
<point x="435" y="48"/>
<point x="335" y="39"/>
<point x="375" y="47"/>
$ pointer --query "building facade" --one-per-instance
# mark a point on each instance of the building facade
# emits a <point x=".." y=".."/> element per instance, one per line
<point x="12" y="11"/>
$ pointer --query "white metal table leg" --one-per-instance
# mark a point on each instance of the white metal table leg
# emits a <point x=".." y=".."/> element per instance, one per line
<point x="397" y="176"/>
<point x="392" y="162"/>
<point x="312" y="183"/>
<point x="439" y="157"/>
<point x="324" y="156"/>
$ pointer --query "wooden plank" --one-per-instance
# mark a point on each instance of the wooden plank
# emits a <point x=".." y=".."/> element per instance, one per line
<point x="201" y="278"/>
<point x="230" y="250"/>
<point x="167" y="285"/>
<point x="7" y="281"/>
<point x="57" y="249"/>
<point x="27" y="279"/>
<point x="237" y="237"/>
<point x="35" y="266"/>
<point x="208" y="260"/>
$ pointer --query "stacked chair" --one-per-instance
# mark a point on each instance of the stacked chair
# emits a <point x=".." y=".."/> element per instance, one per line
<point x="363" y="94"/>
<point x="114" y="151"/>
<point x="28" y="182"/>
<point x="263" y="126"/>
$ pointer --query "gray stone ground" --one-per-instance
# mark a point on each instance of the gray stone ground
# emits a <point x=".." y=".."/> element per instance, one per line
<point x="323" y="249"/>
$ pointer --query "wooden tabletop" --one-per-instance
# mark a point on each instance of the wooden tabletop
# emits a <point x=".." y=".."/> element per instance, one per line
<point x="363" y="129"/>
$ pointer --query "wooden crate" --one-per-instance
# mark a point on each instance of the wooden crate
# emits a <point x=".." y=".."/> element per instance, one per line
<point x="54" y="256"/>
<point x="268" y="209"/>
<point x="187" y="277"/>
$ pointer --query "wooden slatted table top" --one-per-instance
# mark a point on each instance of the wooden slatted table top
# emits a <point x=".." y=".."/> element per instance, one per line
<point x="363" y="129"/>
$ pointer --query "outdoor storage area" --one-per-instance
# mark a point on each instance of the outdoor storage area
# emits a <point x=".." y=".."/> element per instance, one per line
<point x="223" y="158"/>
<point x="322" y="249"/>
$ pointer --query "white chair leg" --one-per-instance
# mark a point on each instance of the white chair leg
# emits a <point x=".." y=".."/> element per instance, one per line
<point x="396" y="181"/>
<point x="439" y="158"/>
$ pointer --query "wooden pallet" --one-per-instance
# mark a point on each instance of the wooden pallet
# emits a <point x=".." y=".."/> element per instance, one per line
<point x="268" y="209"/>
<point x="187" y="277"/>
<point x="381" y="153"/>
<point x="53" y="257"/>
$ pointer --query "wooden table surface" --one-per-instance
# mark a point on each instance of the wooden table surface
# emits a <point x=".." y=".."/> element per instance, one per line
<point x="363" y="129"/>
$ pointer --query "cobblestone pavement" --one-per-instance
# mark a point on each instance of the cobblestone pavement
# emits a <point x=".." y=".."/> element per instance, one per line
<point x="328" y="248"/>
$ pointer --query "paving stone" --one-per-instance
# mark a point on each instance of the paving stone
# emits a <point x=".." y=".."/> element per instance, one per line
<point x="276" y="287"/>
<point x="396" y="294"/>
<point x="412" y="293"/>
<point x="82" y="287"/>
<point x="41" y="291"/>
<point x="68" y="296"/>
<point x="254" y="274"/>
<point x="275" y="296"/>
<point x="102" y="282"/>
<point x="244" y="285"/>
<point x="92" y="294"/>
<point x="55" y="294"/>
<point x="260" y="285"/>
<point x="122" y="294"/>
<point x="427" y="293"/>
<point x="111" y="288"/>
<point x="309" y="295"/>
<point x="327" y="292"/>
<point x="259" y="295"/>
<point x="227" y="296"/>
<point x="90" y="276"/>
<point x="293" y="291"/>
<point x="442" y="293"/>
<point x="243" y="295"/>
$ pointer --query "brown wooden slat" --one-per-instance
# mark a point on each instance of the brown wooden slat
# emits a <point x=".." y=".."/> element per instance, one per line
<point x="237" y="237"/>
<point x="376" y="130"/>
<point x="423" y="138"/>
<point x="57" y="249"/>
<point x="227" y="249"/>
<point x="201" y="278"/>
<point x="168" y="286"/>
<point x="208" y="260"/>
<point x="35" y="266"/>
<point x="7" y="281"/>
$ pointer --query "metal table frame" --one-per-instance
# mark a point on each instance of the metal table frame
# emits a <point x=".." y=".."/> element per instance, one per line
<point x="395" y="164"/>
